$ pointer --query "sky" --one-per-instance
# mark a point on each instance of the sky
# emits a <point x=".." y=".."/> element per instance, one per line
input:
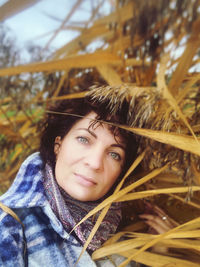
<point x="36" y="24"/>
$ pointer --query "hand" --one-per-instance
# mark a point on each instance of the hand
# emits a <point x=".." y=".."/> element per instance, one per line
<point x="157" y="220"/>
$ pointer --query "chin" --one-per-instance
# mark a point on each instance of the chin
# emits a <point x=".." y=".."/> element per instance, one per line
<point x="81" y="197"/>
<point x="84" y="195"/>
<point x="84" y="198"/>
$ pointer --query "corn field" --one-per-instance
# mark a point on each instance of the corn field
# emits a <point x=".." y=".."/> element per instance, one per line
<point x="148" y="52"/>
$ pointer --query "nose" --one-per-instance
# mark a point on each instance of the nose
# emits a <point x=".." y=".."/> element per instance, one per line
<point x="94" y="158"/>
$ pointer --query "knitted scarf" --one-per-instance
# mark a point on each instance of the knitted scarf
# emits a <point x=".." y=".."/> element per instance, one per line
<point x="70" y="211"/>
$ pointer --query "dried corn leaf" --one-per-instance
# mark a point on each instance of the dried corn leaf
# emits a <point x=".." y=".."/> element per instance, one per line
<point x="77" y="61"/>
<point x="157" y="260"/>
<point x="180" y="141"/>
<point x="149" y="193"/>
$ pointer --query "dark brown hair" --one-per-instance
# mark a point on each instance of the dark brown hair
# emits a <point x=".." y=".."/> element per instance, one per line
<point x="67" y="112"/>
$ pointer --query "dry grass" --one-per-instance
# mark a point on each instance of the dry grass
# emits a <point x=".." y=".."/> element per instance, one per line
<point x="140" y="56"/>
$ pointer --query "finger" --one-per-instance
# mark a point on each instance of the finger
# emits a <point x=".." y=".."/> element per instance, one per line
<point x="156" y="218"/>
<point x="156" y="210"/>
<point x="157" y="221"/>
<point x="159" y="211"/>
<point x="164" y="216"/>
<point x="158" y="228"/>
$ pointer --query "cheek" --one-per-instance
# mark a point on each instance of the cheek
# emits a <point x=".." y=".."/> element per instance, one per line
<point x="113" y="174"/>
<point x="66" y="153"/>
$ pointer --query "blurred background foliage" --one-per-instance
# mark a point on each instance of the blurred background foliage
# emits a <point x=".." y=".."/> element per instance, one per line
<point x="150" y="52"/>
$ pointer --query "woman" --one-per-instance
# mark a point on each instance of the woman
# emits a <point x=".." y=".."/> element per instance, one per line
<point x="79" y="164"/>
<point x="82" y="158"/>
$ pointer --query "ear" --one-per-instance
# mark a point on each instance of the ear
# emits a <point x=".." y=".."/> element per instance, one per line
<point x="57" y="144"/>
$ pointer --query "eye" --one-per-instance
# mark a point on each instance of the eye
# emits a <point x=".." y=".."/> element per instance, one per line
<point x="115" y="156"/>
<point x="82" y="140"/>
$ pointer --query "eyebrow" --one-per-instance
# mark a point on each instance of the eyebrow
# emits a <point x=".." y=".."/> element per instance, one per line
<point x="87" y="130"/>
<point x="95" y="136"/>
<point x="119" y="145"/>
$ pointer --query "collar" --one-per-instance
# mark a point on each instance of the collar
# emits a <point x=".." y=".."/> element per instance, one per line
<point x="27" y="189"/>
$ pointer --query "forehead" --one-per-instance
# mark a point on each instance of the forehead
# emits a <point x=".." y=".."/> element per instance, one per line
<point x="90" y="122"/>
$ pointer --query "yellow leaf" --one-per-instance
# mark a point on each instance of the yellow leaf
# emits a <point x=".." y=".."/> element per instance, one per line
<point x="180" y="141"/>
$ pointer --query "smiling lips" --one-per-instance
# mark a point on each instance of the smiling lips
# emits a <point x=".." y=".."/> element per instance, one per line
<point x="85" y="181"/>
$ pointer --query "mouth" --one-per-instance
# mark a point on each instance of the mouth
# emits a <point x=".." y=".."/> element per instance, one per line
<point x="85" y="181"/>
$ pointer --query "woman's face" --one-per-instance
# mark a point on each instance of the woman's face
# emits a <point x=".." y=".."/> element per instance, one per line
<point x="88" y="159"/>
